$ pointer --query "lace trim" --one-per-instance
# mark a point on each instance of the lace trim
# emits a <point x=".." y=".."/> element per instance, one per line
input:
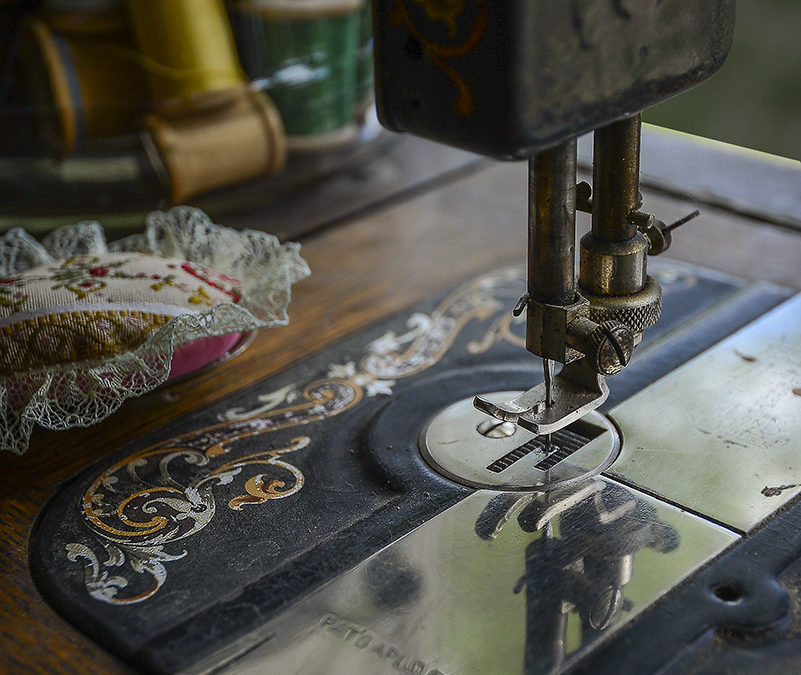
<point x="83" y="394"/>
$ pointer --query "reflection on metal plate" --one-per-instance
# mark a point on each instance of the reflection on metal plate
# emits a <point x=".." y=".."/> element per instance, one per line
<point x="722" y="434"/>
<point x="462" y="444"/>
<point x="499" y="583"/>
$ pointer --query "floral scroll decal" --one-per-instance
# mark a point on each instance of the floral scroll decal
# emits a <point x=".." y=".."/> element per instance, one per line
<point x="141" y="507"/>
<point x="465" y="31"/>
<point x="447" y="11"/>
<point x="392" y="357"/>
<point x="163" y="495"/>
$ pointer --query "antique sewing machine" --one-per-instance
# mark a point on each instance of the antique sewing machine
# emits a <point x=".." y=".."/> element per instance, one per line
<point x="523" y="90"/>
<point x="404" y="500"/>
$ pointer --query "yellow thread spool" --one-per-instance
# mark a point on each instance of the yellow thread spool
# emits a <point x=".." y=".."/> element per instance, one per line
<point x="84" y="87"/>
<point x="219" y="146"/>
<point x="188" y="52"/>
<point x="46" y="82"/>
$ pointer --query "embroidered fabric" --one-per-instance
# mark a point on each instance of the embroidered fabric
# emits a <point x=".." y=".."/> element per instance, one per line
<point x="82" y="394"/>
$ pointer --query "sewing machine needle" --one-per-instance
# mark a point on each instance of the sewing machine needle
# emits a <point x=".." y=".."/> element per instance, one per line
<point x="547" y="366"/>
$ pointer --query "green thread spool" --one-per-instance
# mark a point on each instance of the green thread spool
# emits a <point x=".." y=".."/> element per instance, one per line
<point x="364" y="96"/>
<point x="305" y="54"/>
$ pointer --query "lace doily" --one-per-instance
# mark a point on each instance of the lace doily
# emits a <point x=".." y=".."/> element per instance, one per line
<point x="84" y="393"/>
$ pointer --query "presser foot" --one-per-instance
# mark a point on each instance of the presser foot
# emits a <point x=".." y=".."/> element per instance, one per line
<point x="576" y="390"/>
<point x="529" y="401"/>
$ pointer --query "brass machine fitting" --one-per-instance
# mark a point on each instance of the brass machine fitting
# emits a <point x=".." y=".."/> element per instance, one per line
<point x="613" y="260"/>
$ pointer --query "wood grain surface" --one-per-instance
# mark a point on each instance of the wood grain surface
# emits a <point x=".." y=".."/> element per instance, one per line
<point x="384" y="258"/>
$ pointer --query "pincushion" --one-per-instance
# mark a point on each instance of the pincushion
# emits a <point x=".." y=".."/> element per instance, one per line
<point x="85" y="325"/>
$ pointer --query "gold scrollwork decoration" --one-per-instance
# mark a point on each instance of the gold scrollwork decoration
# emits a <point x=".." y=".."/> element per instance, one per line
<point x="162" y="495"/>
<point x="166" y="492"/>
<point x="449" y="12"/>
<point x="499" y="331"/>
<point x="258" y="487"/>
<point x="446" y="11"/>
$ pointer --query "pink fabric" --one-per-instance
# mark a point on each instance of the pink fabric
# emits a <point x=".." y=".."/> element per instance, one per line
<point x="201" y="352"/>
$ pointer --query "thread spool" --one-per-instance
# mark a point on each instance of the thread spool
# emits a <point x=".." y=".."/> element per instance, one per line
<point x="188" y="51"/>
<point x="364" y="95"/>
<point x="305" y="53"/>
<point x="214" y="147"/>
<point x="82" y="88"/>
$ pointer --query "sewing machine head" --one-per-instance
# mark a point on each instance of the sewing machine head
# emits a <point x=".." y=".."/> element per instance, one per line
<point x="510" y="79"/>
<point x="522" y="79"/>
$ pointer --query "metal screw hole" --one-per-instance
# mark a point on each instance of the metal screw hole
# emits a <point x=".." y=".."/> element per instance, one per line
<point x="728" y="593"/>
<point x="496" y="429"/>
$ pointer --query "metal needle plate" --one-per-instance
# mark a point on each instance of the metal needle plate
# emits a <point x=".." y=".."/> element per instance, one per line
<point x="728" y="423"/>
<point x="448" y="599"/>
<point x="453" y="445"/>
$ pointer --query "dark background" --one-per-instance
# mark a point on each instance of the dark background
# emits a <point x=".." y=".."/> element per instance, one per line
<point x="755" y="99"/>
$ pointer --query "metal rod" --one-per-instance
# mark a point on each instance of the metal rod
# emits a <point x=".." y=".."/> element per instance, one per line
<point x="683" y="221"/>
<point x="552" y="225"/>
<point x="615" y="179"/>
